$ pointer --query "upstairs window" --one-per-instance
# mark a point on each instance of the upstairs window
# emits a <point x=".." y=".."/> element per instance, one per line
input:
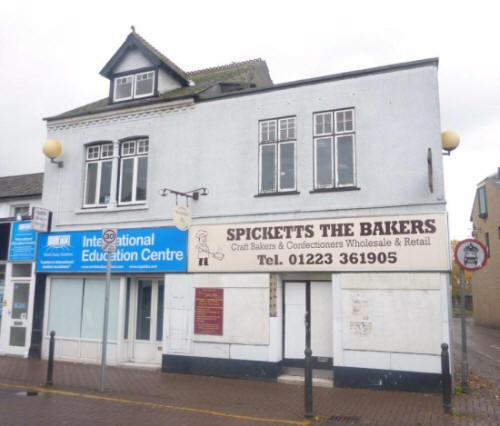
<point x="134" y="86"/>
<point x="129" y="166"/>
<point x="20" y="209"/>
<point x="481" y="201"/>
<point x="98" y="167"/>
<point x="334" y="149"/>
<point x="277" y="139"/>
<point x="133" y="171"/>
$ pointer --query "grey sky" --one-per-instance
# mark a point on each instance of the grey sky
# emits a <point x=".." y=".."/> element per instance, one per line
<point x="51" y="53"/>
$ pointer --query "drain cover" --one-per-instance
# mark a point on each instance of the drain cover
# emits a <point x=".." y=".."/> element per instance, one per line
<point x="343" y="420"/>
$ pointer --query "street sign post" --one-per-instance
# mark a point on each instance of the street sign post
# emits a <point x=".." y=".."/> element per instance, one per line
<point x="470" y="255"/>
<point x="108" y="238"/>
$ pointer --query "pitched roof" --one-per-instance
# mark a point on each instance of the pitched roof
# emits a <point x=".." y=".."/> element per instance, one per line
<point x="251" y="73"/>
<point x="134" y="40"/>
<point x="21" y="185"/>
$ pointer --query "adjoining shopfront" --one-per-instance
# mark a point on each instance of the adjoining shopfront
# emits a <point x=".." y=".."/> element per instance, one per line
<point x="230" y="299"/>
<point x="74" y="265"/>
<point x="377" y="288"/>
<point x="17" y="283"/>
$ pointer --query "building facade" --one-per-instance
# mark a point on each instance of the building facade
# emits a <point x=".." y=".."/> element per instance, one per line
<point x="322" y="195"/>
<point x="485" y="218"/>
<point x="18" y="195"/>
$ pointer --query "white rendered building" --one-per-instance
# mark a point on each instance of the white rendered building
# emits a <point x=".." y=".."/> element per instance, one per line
<point x="323" y="194"/>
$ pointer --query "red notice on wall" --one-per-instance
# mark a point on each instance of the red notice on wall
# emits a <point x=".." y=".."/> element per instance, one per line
<point x="208" y="311"/>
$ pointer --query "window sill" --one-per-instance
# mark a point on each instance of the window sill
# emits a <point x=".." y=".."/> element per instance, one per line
<point x="270" y="194"/>
<point x="341" y="189"/>
<point x="111" y="209"/>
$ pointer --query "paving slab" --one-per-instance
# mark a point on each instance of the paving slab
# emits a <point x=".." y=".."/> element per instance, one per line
<point x="137" y="396"/>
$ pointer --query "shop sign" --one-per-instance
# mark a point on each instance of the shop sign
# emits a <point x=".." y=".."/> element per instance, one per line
<point x="41" y="219"/>
<point x="137" y="250"/>
<point x="380" y="243"/>
<point x="181" y="216"/>
<point x="22" y="242"/>
<point x="208" y="311"/>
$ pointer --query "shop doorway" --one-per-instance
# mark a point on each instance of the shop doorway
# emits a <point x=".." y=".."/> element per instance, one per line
<point x="146" y="325"/>
<point x="295" y="305"/>
<point x="17" y="317"/>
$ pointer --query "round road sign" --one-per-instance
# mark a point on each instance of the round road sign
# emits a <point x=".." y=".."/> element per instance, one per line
<point x="471" y="254"/>
<point x="109" y="236"/>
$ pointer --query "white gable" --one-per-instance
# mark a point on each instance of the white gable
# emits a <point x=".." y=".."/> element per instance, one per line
<point x="133" y="60"/>
<point x="167" y="82"/>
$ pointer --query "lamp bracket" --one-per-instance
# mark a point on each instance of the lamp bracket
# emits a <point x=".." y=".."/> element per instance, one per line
<point x="59" y="163"/>
<point x="194" y="193"/>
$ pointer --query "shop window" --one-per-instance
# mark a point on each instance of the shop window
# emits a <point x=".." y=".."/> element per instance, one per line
<point x="76" y="308"/>
<point x="481" y="201"/>
<point x="277" y="140"/>
<point x="334" y="149"/>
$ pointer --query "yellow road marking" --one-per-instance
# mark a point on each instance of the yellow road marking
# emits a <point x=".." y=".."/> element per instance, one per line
<point x="153" y="404"/>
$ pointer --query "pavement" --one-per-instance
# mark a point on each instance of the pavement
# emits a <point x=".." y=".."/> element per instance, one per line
<point x="483" y="349"/>
<point x="145" y="397"/>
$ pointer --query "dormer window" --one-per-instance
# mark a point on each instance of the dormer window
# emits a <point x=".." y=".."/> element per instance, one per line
<point x="134" y="86"/>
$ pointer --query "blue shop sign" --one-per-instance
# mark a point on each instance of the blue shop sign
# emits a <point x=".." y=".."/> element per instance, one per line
<point x="138" y="250"/>
<point x="22" y="242"/>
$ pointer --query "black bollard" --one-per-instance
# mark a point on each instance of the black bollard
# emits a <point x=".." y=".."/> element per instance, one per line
<point x="308" y="391"/>
<point x="308" y="412"/>
<point x="446" y="378"/>
<point x="50" y="365"/>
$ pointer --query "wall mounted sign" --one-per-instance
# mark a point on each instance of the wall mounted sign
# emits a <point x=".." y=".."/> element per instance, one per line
<point x="209" y="311"/>
<point x="22" y="242"/>
<point x="137" y="250"/>
<point x="41" y="219"/>
<point x="471" y="254"/>
<point x="380" y="243"/>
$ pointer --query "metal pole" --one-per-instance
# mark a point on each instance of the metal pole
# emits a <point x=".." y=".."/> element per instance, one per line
<point x="105" y="323"/>
<point x="50" y="365"/>
<point x="446" y="378"/>
<point x="308" y="412"/>
<point x="465" y="364"/>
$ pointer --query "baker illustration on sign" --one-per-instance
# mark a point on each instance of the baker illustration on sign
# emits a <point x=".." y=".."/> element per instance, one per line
<point x="203" y="249"/>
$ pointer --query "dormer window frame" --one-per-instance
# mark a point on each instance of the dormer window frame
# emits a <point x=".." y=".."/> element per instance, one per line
<point x="135" y="75"/>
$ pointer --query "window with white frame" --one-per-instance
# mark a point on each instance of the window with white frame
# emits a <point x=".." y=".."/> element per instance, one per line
<point x="133" y="171"/>
<point x="98" y="166"/>
<point x="20" y="209"/>
<point x="277" y="139"/>
<point x="334" y="149"/>
<point x="134" y="86"/>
